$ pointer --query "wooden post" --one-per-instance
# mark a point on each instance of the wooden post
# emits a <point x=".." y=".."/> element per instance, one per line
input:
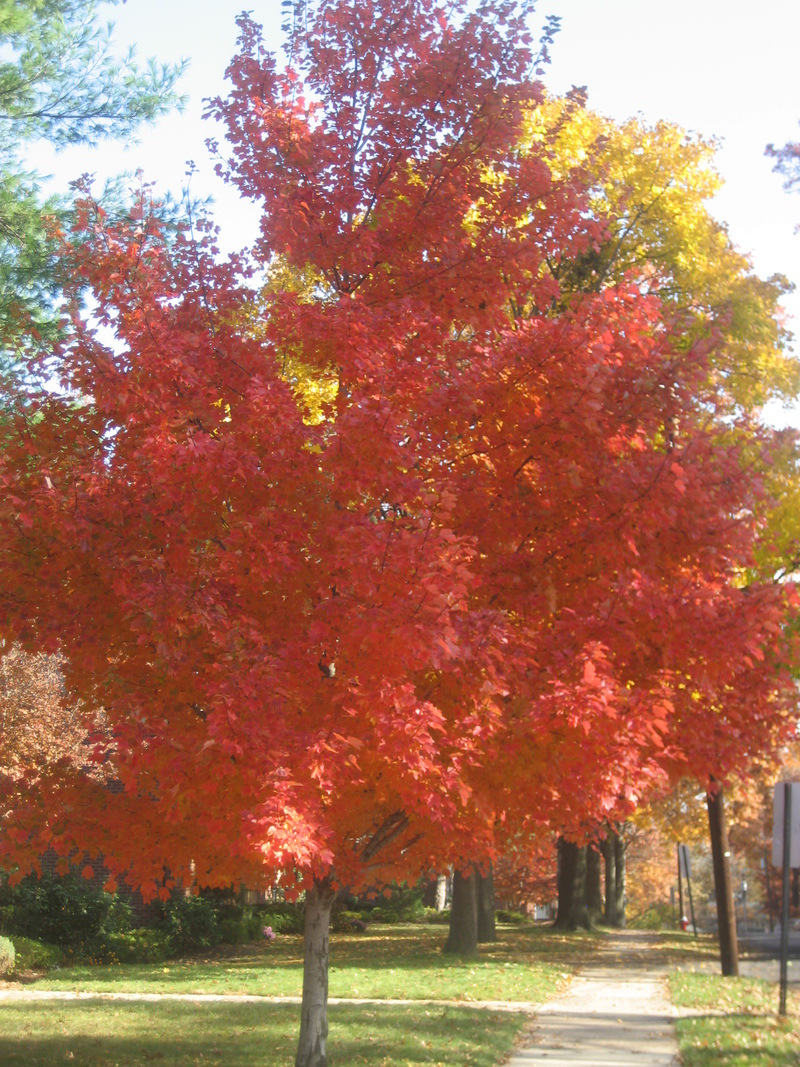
<point x="723" y="884"/>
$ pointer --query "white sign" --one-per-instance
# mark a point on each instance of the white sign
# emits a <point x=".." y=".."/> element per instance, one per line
<point x="778" y="808"/>
<point x="684" y="862"/>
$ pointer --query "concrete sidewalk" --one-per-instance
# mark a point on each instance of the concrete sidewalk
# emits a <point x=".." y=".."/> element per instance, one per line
<point x="615" y="1013"/>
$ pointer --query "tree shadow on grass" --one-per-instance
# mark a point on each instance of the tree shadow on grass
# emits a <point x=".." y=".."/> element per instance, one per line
<point x="422" y="1035"/>
<point x="102" y="1034"/>
<point x="105" y="1033"/>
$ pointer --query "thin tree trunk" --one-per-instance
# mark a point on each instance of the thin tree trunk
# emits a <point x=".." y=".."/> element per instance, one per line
<point x="486" y="925"/>
<point x="594" y="897"/>
<point x="619" y="878"/>
<point x="463" y="937"/>
<point x="441" y="892"/>
<point x="314" y="1011"/>
<point x="572" y="910"/>
<point x="611" y="881"/>
<point x="723" y="884"/>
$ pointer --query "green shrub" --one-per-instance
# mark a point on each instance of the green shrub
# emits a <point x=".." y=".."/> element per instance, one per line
<point x="658" y="917"/>
<point x="345" y="921"/>
<point x="283" y="918"/>
<point x="252" y="925"/>
<point x="397" y="904"/>
<point x="513" y="918"/>
<point x="35" y="955"/>
<point x="191" y="923"/>
<point x="70" y="911"/>
<point x="440" y="917"/>
<point x="237" y="930"/>
<point x="141" y="945"/>
<point x="7" y="956"/>
<point x="431" y="915"/>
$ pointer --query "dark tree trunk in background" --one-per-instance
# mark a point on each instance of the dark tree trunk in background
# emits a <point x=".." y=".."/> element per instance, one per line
<point x="314" y="1010"/>
<point x="486" y="926"/>
<point x="565" y="879"/>
<point x="611" y="881"/>
<point x="723" y="884"/>
<point x="429" y="893"/>
<point x="572" y="910"/>
<point x="619" y="878"/>
<point x="594" y="896"/>
<point x="463" y="937"/>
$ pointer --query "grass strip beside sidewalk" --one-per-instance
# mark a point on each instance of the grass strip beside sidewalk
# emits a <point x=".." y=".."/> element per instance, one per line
<point x="737" y="1024"/>
<point x="107" y="1033"/>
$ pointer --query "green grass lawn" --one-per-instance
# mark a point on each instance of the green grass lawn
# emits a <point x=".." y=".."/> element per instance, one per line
<point x="106" y="1033"/>
<point x="742" y="1028"/>
<point x="384" y="962"/>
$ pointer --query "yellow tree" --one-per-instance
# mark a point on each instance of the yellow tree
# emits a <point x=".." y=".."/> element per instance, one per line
<point x="651" y="187"/>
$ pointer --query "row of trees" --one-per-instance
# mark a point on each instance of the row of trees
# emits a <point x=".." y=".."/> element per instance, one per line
<point x="456" y="531"/>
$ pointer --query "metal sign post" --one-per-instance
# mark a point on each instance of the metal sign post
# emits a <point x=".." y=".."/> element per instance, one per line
<point x="681" y="904"/>
<point x="785" y="854"/>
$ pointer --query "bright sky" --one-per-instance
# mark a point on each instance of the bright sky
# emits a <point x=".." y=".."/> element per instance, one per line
<point x="720" y="67"/>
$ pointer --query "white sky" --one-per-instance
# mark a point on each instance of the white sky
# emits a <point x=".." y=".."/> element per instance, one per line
<point x="723" y="68"/>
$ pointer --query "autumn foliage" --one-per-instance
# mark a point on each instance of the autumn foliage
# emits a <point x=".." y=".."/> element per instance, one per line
<point x="493" y="584"/>
<point x="36" y="728"/>
<point x="513" y="540"/>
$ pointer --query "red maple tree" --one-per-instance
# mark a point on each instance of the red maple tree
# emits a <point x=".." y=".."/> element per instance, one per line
<point x="487" y="584"/>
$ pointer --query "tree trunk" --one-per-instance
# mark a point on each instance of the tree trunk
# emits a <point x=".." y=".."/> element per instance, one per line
<point x="565" y="882"/>
<point x="611" y="881"/>
<point x="619" y="878"/>
<point x="314" y="1011"/>
<point x="463" y="937"/>
<point x="594" y="897"/>
<point x="429" y="892"/>
<point x="441" y="892"/>
<point x="486" y="927"/>
<point x="572" y="910"/>
<point x="723" y="884"/>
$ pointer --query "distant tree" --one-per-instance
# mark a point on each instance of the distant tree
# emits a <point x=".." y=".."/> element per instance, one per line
<point x="787" y="162"/>
<point x="651" y="186"/>
<point x="61" y="82"/>
<point x="36" y="727"/>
